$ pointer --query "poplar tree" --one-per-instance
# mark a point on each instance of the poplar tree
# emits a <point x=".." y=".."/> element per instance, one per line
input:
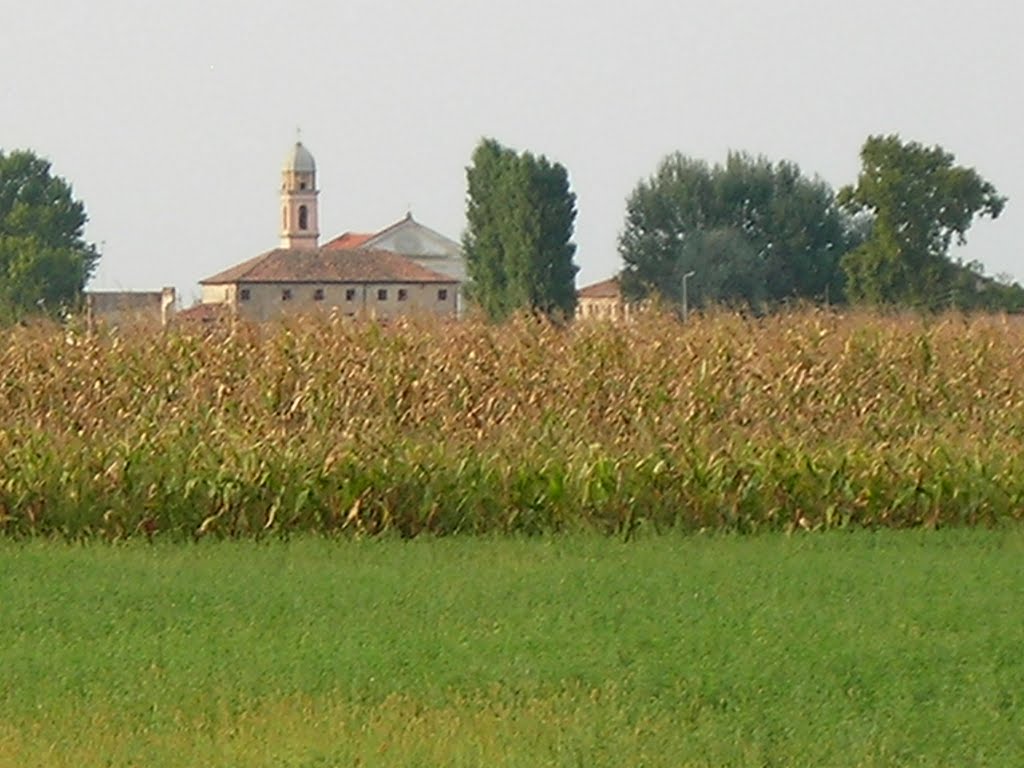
<point x="520" y="213"/>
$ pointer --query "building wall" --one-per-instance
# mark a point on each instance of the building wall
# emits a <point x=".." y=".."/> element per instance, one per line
<point x="602" y="308"/>
<point x="449" y="266"/>
<point x="124" y="307"/>
<point x="265" y="301"/>
<point x="218" y="294"/>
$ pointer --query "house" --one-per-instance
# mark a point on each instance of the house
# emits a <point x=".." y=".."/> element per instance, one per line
<point x="604" y="301"/>
<point x="359" y="275"/>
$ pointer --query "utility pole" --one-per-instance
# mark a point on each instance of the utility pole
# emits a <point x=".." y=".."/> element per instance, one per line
<point x="686" y="304"/>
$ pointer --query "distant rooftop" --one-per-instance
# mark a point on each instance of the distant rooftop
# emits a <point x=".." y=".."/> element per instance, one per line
<point x="606" y="289"/>
<point x="328" y="265"/>
<point x="348" y="240"/>
<point x="299" y="159"/>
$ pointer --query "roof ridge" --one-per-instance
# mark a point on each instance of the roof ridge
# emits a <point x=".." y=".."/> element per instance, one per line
<point x="406" y="220"/>
<point x="391" y="227"/>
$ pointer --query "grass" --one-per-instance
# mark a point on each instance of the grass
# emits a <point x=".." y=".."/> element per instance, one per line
<point x="841" y="649"/>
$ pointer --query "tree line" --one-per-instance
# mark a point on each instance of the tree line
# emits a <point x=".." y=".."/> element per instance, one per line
<point x="748" y="233"/>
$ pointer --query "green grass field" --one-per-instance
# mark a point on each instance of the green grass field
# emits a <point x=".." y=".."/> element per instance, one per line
<point x="839" y="649"/>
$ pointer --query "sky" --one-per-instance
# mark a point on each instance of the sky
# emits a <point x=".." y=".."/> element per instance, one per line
<point x="171" y="120"/>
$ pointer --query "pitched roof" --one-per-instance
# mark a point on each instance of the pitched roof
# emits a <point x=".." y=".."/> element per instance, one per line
<point x="283" y="265"/>
<point x="369" y="239"/>
<point x="606" y="289"/>
<point x="348" y="240"/>
<point x="392" y="227"/>
<point x="408" y="220"/>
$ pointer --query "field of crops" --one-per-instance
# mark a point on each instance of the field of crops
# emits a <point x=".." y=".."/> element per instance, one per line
<point x="848" y="650"/>
<point x="810" y="420"/>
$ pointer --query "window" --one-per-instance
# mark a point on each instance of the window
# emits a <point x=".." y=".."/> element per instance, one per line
<point x="382" y="294"/>
<point x="402" y="294"/>
<point x="244" y="295"/>
<point x="302" y="185"/>
<point x="318" y="294"/>
<point x="350" y="294"/>
<point x="442" y="294"/>
<point x="286" y="294"/>
<point x="303" y="217"/>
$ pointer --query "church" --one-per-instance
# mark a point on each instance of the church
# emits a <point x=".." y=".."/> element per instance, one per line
<point x="404" y="269"/>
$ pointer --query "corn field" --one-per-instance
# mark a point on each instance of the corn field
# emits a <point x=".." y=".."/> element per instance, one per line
<point x="806" y="420"/>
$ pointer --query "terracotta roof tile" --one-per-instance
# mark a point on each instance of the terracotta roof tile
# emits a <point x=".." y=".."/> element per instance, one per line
<point x="348" y="240"/>
<point x="606" y="289"/>
<point x="323" y="265"/>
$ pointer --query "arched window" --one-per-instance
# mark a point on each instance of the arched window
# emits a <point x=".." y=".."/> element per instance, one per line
<point x="303" y="217"/>
<point x="284" y="218"/>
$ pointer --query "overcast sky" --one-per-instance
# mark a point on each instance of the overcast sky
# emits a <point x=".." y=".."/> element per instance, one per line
<point x="172" y="119"/>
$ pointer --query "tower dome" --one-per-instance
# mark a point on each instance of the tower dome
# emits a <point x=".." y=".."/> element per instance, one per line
<point x="299" y="160"/>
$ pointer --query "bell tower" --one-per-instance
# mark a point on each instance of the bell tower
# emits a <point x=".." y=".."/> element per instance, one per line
<point x="300" y="226"/>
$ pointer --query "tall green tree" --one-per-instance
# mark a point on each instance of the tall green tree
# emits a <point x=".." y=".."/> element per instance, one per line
<point x="751" y="230"/>
<point x="919" y="201"/>
<point x="483" y="243"/>
<point x="45" y="261"/>
<point x="520" y="214"/>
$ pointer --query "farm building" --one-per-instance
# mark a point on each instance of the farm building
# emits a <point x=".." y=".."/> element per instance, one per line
<point x="604" y="301"/>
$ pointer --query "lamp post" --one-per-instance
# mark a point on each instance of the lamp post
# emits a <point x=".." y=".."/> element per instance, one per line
<point x="686" y="307"/>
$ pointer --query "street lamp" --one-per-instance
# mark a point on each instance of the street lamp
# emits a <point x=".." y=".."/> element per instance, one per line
<point x="686" y="308"/>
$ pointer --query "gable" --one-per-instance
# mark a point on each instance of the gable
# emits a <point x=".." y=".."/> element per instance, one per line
<point x="410" y="238"/>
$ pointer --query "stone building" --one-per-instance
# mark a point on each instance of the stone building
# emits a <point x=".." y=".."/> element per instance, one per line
<point x="357" y="276"/>
<point x="118" y="308"/>
<point x="604" y="301"/>
<point x="357" y="283"/>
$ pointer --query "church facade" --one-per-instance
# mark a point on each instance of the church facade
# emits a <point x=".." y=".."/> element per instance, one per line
<point x="410" y="238"/>
<point x="405" y="269"/>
